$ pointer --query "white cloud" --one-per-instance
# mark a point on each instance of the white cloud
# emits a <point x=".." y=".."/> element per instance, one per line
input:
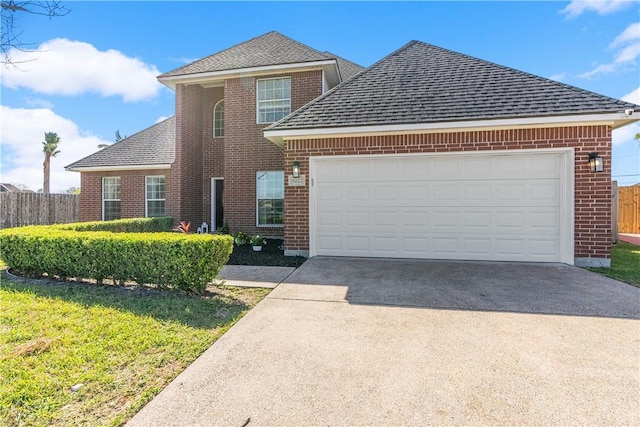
<point x="22" y="133"/>
<point x="559" y="77"/>
<point x="627" y="133"/>
<point x="601" y="7"/>
<point x="161" y="119"/>
<point x="66" y="67"/>
<point x="633" y="96"/>
<point x="631" y="33"/>
<point x="628" y="44"/>
<point x="39" y="102"/>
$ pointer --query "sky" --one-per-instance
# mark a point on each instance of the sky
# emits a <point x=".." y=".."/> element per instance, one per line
<point x="93" y="72"/>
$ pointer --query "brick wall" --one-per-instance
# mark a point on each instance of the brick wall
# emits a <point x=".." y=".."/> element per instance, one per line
<point x="212" y="150"/>
<point x="246" y="151"/>
<point x="592" y="191"/>
<point x="186" y="172"/>
<point x="132" y="193"/>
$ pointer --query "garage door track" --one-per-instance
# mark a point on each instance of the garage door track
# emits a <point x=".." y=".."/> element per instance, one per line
<point x="389" y="342"/>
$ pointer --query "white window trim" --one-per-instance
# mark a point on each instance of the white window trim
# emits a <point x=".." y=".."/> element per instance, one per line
<point x="271" y="100"/>
<point x="213" y="133"/>
<point x="110" y="200"/>
<point x="257" y="206"/>
<point x="147" y="200"/>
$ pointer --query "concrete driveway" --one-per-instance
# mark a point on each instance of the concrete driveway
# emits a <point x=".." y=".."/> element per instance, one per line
<point x="395" y="342"/>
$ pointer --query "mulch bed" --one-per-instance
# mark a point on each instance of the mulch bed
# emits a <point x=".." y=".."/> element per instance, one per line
<point x="271" y="255"/>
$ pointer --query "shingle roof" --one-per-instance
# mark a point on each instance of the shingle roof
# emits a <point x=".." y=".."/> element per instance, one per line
<point x="272" y="48"/>
<point x="152" y="146"/>
<point x="347" y="68"/>
<point x="422" y="83"/>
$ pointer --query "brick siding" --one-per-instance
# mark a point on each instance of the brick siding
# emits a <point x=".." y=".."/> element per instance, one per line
<point x="592" y="190"/>
<point x="132" y="193"/>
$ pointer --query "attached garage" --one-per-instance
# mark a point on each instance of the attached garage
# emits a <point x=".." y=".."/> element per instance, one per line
<point x="505" y="206"/>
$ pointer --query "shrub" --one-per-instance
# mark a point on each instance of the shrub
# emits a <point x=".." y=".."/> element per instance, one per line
<point x="171" y="260"/>
<point x="132" y="225"/>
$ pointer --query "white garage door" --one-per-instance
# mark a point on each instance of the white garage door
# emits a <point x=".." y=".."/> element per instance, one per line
<point x="510" y="206"/>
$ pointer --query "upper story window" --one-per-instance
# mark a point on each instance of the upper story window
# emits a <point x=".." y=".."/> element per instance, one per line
<point x="155" y="196"/>
<point x="110" y="198"/>
<point x="218" y="119"/>
<point x="274" y="99"/>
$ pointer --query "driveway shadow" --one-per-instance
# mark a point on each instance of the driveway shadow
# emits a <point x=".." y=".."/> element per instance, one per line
<point x="486" y="286"/>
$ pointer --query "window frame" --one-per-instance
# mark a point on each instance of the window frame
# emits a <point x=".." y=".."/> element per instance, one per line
<point x="258" y="198"/>
<point x="146" y="195"/>
<point x="259" y="101"/>
<point x="218" y="128"/>
<point x="105" y="200"/>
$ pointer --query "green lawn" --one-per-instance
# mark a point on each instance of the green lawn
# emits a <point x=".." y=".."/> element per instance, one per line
<point x="124" y="345"/>
<point x="625" y="264"/>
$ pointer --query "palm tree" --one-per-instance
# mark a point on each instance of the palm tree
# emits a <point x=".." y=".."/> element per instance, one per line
<point x="50" y="149"/>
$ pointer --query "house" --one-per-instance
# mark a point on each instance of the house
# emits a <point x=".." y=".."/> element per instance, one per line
<point x="10" y="188"/>
<point x="428" y="153"/>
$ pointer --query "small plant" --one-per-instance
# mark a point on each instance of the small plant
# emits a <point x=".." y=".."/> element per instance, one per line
<point x="258" y="241"/>
<point x="225" y="227"/>
<point x="240" y="238"/>
<point x="183" y="227"/>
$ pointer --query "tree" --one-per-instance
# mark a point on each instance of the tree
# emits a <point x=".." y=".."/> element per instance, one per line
<point x="118" y="137"/>
<point x="11" y="33"/>
<point x="73" y="190"/>
<point x="50" y="149"/>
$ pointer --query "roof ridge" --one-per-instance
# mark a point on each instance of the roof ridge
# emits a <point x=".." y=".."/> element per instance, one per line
<point x="272" y="32"/>
<point x="515" y="70"/>
<point x="350" y="81"/>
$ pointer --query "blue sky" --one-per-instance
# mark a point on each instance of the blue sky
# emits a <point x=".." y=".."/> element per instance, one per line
<point x="92" y="72"/>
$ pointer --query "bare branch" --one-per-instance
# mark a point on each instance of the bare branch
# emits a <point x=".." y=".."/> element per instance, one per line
<point x="11" y="34"/>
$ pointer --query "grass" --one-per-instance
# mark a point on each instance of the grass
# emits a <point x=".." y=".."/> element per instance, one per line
<point x="124" y="345"/>
<point x="625" y="264"/>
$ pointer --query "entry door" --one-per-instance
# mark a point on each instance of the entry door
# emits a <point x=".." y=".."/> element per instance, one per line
<point x="217" y="211"/>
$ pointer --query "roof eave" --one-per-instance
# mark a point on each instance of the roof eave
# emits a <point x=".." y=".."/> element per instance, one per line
<point x="210" y="78"/>
<point x="616" y="120"/>
<point x="72" y="168"/>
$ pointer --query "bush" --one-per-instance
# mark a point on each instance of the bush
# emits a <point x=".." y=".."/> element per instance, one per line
<point x="170" y="260"/>
<point x="133" y="225"/>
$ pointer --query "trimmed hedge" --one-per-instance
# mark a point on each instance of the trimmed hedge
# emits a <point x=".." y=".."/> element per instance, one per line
<point x="168" y="260"/>
<point x="133" y="225"/>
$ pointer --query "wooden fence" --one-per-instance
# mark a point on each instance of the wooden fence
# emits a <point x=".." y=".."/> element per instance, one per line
<point x="629" y="209"/>
<point x="18" y="209"/>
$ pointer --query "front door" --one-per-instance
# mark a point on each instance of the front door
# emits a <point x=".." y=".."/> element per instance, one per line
<point x="217" y="212"/>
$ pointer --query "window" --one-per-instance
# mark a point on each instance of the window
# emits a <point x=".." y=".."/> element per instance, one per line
<point x="274" y="99"/>
<point x="155" y="196"/>
<point x="110" y="198"/>
<point x="218" y="119"/>
<point x="270" y="198"/>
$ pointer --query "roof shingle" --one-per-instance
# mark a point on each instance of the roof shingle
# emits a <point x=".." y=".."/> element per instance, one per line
<point x="272" y="48"/>
<point x="152" y="146"/>
<point x="422" y="83"/>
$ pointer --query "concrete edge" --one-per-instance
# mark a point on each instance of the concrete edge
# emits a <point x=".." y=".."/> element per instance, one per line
<point x="593" y="262"/>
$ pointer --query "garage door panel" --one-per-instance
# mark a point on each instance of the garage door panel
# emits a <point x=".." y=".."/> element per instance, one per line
<point x="486" y="207"/>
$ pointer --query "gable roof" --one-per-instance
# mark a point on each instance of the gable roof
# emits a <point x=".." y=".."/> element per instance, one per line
<point x="421" y="83"/>
<point x="154" y="146"/>
<point x="272" y="48"/>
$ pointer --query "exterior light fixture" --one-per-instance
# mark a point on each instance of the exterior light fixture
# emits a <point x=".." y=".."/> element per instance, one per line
<point x="595" y="162"/>
<point x="296" y="169"/>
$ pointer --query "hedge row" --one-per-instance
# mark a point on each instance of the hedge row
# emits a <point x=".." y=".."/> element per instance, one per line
<point x="133" y="225"/>
<point x="168" y="260"/>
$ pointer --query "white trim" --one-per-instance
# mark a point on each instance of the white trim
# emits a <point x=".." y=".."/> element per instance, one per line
<point x="110" y="200"/>
<point x="213" y="127"/>
<point x="612" y="119"/>
<point x="256" y="199"/>
<point x="146" y="195"/>
<point x="118" y="168"/>
<point x="199" y="78"/>
<point x="567" y="189"/>
<point x="271" y="100"/>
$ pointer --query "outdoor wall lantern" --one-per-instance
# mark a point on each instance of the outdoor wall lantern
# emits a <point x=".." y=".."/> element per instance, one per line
<point x="296" y="169"/>
<point x="595" y="162"/>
